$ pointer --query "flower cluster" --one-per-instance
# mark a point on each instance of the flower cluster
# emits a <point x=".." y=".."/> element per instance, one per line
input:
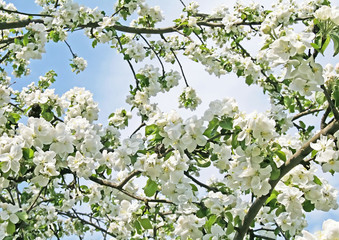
<point x="81" y="103"/>
<point x="61" y="174"/>
<point x="78" y="64"/>
<point x="330" y="231"/>
<point x="189" y="99"/>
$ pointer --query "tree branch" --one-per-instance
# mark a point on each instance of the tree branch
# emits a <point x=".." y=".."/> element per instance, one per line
<point x="67" y="214"/>
<point x="176" y="58"/>
<point x="200" y="183"/>
<point x="23" y="13"/>
<point x="129" y="63"/>
<point x="329" y="100"/>
<point x="129" y="177"/>
<point x="309" y="111"/>
<point x="19" y="24"/>
<point x="156" y="54"/>
<point x="295" y="160"/>
<point x="107" y="183"/>
<point x="138" y="128"/>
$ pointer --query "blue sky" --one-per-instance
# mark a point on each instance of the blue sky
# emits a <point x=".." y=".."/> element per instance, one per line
<point x="108" y="76"/>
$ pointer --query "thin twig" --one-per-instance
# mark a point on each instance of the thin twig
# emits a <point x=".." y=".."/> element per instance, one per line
<point x="129" y="63"/>
<point x="86" y="222"/>
<point x="56" y="4"/>
<point x="200" y="183"/>
<point x="4" y="57"/>
<point x="70" y="49"/>
<point x="136" y="130"/>
<point x="280" y="230"/>
<point x="182" y="3"/>
<point x="156" y="54"/>
<point x="107" y="183"/>
<point x="27" y="14"/>
<point x="18" y="195"/>
<point x="16" y="106"/>
<point x="10" y="194"/>
<point x="35" y="200"/>
<point x="176" y="58"/>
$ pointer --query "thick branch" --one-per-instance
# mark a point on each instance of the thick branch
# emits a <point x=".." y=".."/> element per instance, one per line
<point x="19" y="24"/>
<point x="329" y="100"/>
<point x="296" y="159"/>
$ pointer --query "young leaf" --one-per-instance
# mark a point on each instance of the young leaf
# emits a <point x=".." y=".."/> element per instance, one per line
<point x="335" y="39"/>
<point x="281" y="155"/>
<point x="10" y="228"/>
<point x="27" y="153"/>
<point x="324" y="46"/>
<point x="211" y="220"/>
<point x="227" y="124"/>
<point x="150" y="188"/>
<point x="145" y="223"/>
<point x="22" y="215"/>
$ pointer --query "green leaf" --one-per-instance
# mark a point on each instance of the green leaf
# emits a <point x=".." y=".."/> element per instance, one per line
<point x="275" y="172"/>
<point x="325" y="44"/>
<point x="302" y="124"/>
<point x="235" y="142"/>
<point x="316" y="180"/>
<point x="150" y="129"/>
<point x="272" y="196"/>
<point x="150" y="188"/>
<point x="101" y="168"/>
<point x="229" y="216"/>
<point x="14" y="117"/>
<point x="320" y="97"/>
<point x="22" y="215"/>
<point x="249" y="80"/>
<point x="16" y="41"/>
<point x="94" y="43"/>
<point x="10" y="228"/>
<point x="25" y="40"/>
<point x="211" y="220"/>
<point x="288" y="102"/>
<point x="138" y="226"/>
<point x="145" y="223"/>
<point x="194" y="188"/>
<point x="212" y="128"/>
<point x="227" y="123"/>
<point x="203" y="162"/>
<point x="280" y="210"/>
<point x="187" y="31"/>
<point x="86" y="199"/>
<point x="230" y="228"/>
<point x="335" y="39"/>
<point x="281" y="155"/>
<point x="308" y="206"/>
<point x="27" y="153"/>
<point x="315" y="46"/>
<point x="47" y="115"/>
